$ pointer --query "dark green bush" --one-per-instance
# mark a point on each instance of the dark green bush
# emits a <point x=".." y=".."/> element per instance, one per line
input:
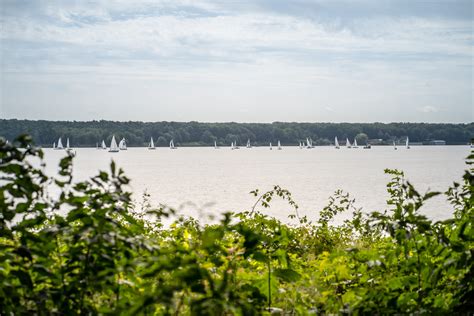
<point x="88" y="250"/>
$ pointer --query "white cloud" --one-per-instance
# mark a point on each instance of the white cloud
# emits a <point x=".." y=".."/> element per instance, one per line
<point x="428" y="109"/>
<point x="234" y="54"/>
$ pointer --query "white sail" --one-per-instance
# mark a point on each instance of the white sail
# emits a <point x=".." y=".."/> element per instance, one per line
<point x="152" y="144"/>
<point x="248" y="144"/>
<point x="113" y="145"/>
<point x="271" y="146"/>
<point x="67" y="144"/>
<point x="103" y="145"/>
<point x="355" y="143"/>
<point x="60" y="144"/>
<point x="215" y="145"/>
<point x="407" y="145"/>
<point x="172" y="146"/>
<point x="348" y="143"/>
<point x="122" y="144"/>
<point x="336" y="143"/>
<point x="394" y="145"/>
<point x="54" y="145"/>
<point x="279" y="145"/>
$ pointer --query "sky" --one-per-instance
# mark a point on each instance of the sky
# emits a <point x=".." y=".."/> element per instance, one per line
<point x="243" y="61"/>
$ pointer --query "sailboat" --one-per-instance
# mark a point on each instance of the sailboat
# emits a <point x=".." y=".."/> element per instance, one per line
<point x="394" y="145"/>
<point x="279" y="145"/>
<point x="367" y="146"/>
<point x="103" y="145"/>
<point x="336" y="143"/>
<point x="407" y="145"/>
<point x="248" y="144"/>
<point x="309" y="143"/>
<point x="348" y="143"/>
<point x="113" y="146"/>
<point x="235" y="145"/>
<point x="172" y="146"/>
<point x="301" y="145"/>
<point x="355" y="144"/>
<point x="152" y="144"/>
<point x="67" y="145"/>
<point x="60" y="144"/>
<point x="54" y="145"/>
<point x="271" y="146"/>
<point x="232" y="145"/>
<point x="122" y="145"/>
<point x="215" y="145"/>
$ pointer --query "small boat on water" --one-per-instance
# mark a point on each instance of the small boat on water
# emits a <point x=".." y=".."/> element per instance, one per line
<point x="271" y="146"/>
<point x="301" y="145"/>
<point x="407" y="145"/>
<point x="348" y="143"/>
<point x="54" y="145"/>
<point x="367" y="146"/>
<point x="394" y="146"/>
<point x="60" y="144"/>
<point x="172" y="146"/>
<point x="279" y="145"/>
<point x="215" y="145"/>
<point x="248" y="144"/>
<point x="309" y="143"/>
<point x="355" y="144"/>
<point x="68" y="148"/>
<point x="151" y="145"/>
<point x="103" y="145"/>
<point x="113" y="146"/>
<point x="122" y="144"/>
<point x="336" y="143"/>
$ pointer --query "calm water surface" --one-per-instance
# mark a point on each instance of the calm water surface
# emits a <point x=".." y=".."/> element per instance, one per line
<point x="203" y="181"/>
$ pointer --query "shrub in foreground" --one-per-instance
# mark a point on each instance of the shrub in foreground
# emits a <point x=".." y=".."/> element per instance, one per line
<point x="90" y="250"/>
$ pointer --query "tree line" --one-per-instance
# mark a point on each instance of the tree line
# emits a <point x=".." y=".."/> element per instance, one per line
<point x="83" y="134"/>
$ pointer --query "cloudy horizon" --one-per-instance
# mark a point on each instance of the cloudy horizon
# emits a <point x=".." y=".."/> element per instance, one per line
<point x="243" y="61"/>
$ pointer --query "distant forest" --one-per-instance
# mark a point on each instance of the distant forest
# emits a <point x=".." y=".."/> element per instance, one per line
<point x="84" y="134"/>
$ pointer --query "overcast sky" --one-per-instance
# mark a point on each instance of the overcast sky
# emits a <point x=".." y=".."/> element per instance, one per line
<point x="238" y="60"/>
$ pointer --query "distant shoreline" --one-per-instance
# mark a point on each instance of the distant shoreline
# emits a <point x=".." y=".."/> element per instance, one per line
<point x="195" y="134"/>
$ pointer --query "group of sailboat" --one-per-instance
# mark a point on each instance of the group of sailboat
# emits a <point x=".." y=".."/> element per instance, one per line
<point x="114" y="147"/>
<point x="122" y="145"/>
<point x="308" y="144"/>
<point x="349" y="145"/>
<point x="366" y="146"/>
<point x="233" y="145"/>
<point x="60" y="146"/>
<point x="407" y="144"/>
<point x="151" y="145"/>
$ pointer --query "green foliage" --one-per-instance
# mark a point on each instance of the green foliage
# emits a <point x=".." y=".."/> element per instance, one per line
<point x="83" y="134"/>
<point x="84" y="248"/>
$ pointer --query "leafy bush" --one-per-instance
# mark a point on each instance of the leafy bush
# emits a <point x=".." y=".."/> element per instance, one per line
<point x="88" y="250"/>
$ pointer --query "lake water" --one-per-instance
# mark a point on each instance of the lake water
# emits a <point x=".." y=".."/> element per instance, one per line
<point x="203" y="181"/>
